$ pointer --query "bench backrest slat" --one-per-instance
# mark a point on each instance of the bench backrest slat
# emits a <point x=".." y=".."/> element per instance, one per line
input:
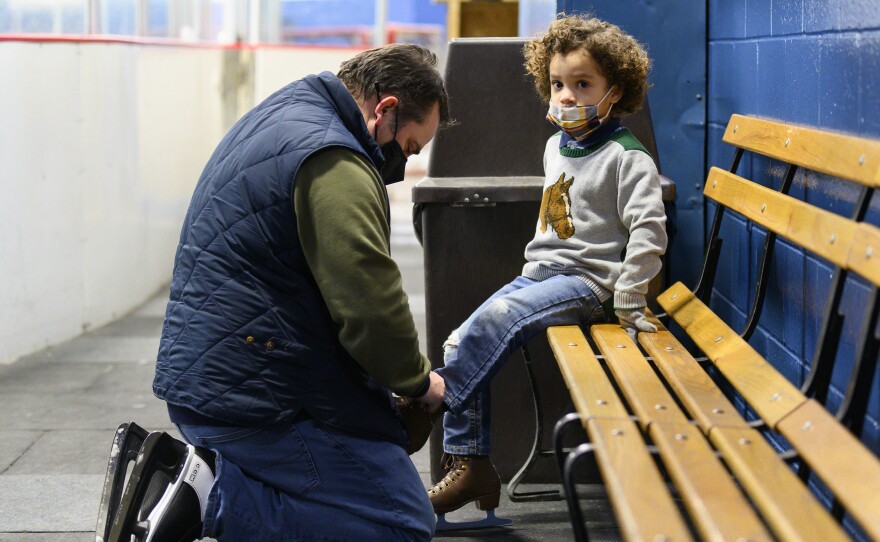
<point x="768" y="391"/>
<point x="864" y="255"/>
<point x="849" y="469"/>
<point x="848" y="157"/>
<point x="821" y="232"/>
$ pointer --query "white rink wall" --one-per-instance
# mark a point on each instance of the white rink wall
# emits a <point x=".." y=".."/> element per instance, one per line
<point x="101" y="144"/>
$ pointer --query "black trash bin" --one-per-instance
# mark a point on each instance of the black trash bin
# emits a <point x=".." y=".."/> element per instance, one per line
<point x="475" y="212"/>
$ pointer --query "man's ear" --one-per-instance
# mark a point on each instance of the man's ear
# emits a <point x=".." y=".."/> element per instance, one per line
<point x="386" y="104"/>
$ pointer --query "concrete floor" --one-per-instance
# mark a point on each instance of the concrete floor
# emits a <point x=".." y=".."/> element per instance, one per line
<point x="60" y="407"/>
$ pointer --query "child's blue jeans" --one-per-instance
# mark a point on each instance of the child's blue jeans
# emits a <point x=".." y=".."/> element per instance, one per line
<point x="475" y="351"/>
<point x="311" y="483"/>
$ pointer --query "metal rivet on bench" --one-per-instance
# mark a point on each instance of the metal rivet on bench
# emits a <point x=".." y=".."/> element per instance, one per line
<point x="486" y="200"/>
<point x="658" y="406"/>
<point x="744" y="442"/>
<point x="669" y="348"/>
<point x="572" y="344"/>
<point x="714" y="184"/>
<point x="735" y="128"/>
<point x="862" y="160"/>
<point x="869" y="252"/>
<point x="601" y="402"/>
<point x="680" y="436"/>
<point x="476" y="196"/>
<point x="776" y="396"/>
<point x="807" y="426"/>
<point x="719" y="338"/>
<point x="717" y="411"/>
<point x="674" y="296"/>
<point x="763" y="207"/>
<point x="621" y="346"/>
<point x="617" y="432"/>
<point x="787" y="141"/>
<point x="467" y="200"/>
<point x="833" y="238"/>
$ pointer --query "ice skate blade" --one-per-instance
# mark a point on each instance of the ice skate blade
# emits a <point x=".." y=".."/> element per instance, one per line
<point x="127" y="441"/>
<point x="488" y="522"/>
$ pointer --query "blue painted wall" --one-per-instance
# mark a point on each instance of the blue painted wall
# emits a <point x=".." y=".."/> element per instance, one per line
<point x="675" y="36"/>
<point x="811" y="62"/>
<point x="335" y="13"/>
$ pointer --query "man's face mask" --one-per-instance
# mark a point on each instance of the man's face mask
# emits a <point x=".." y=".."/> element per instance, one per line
<point x="392" y="171"/>
<point x="578" y="121"/>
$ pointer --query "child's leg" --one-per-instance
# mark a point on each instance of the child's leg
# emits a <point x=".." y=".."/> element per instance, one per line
<point x="478" y="349"/>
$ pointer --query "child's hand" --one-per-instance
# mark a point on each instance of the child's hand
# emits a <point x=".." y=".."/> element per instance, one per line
<point x="634" y="321"/>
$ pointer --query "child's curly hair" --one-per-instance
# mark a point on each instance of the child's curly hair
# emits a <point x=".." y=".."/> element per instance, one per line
<point x="621" y="58"/>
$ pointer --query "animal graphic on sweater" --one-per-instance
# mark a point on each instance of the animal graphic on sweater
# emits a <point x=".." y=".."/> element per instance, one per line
<point x="556" y="208"/>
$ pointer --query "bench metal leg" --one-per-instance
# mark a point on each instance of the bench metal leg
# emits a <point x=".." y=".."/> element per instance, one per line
<point x="571" y="498"/>
<point x="559" y="432"/>
<point x="545" y="495"/>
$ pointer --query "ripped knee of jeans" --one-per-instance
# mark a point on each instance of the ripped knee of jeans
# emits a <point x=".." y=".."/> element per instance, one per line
<point x="451" y="345"/>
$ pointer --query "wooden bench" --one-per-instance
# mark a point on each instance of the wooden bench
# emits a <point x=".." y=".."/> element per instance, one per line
<point x="678" y="460"/>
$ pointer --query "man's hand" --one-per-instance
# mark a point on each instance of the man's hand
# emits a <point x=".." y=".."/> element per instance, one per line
<point x="433" y="398"/>
<point x="634" y="321"/>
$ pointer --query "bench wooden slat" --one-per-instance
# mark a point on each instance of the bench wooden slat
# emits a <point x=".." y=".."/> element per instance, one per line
<point x="842" y="462"/>
<point x="692" y="385"/>
<point x="821" y="232"/>
<point x="864" y="255"/>
<point x="844" y="156"/>
<point x="589" y="386"/>
<point x="644" y="391"/>
<point x="643" y="505"/>
<point x="717" y="506"/>
<point x="766" y="390"/>
<point x="719" y="509"/>
<point x="786" y="503"/>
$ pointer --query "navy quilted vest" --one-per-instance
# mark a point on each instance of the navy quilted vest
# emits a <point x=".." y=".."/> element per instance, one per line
<point x="247" y="338"/>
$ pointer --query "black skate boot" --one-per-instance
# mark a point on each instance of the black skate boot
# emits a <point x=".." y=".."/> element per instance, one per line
<point x="166" y="494"/>
<point x="127" y="443"/>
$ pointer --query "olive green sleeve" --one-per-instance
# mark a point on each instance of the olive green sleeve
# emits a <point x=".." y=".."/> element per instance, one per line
<point x="342" y="219"/>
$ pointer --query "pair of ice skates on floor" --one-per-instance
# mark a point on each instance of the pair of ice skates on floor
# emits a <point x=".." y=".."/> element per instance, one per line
<point x="156" y="488"/>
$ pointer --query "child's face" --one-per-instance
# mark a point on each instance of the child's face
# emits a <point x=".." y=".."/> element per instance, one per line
<point x="576" y="79"/>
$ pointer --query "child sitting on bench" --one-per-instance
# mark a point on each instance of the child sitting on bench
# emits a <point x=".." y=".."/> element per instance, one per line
<point x="598" y="240"/>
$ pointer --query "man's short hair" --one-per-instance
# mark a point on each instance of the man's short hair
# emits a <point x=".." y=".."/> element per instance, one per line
<point x="622" y="59"/>
<point x="404" y="70"/>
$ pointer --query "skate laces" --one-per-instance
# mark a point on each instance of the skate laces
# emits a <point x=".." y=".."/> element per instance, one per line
<point x="455" y="466"/>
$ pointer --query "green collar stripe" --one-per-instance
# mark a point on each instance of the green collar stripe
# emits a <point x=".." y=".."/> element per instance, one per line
<point x="623" y="137"/>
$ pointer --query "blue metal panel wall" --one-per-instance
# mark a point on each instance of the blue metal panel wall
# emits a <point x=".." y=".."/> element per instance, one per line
<point x="675" y="35"/>
<point x="321" y="13"/>
<point x="811" y="62"/>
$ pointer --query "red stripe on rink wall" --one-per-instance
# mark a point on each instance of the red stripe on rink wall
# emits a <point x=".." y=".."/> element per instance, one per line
<point x="162" y="42"/>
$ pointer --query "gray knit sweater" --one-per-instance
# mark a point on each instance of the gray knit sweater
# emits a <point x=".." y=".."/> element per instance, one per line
<point x="601" y="219"/>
